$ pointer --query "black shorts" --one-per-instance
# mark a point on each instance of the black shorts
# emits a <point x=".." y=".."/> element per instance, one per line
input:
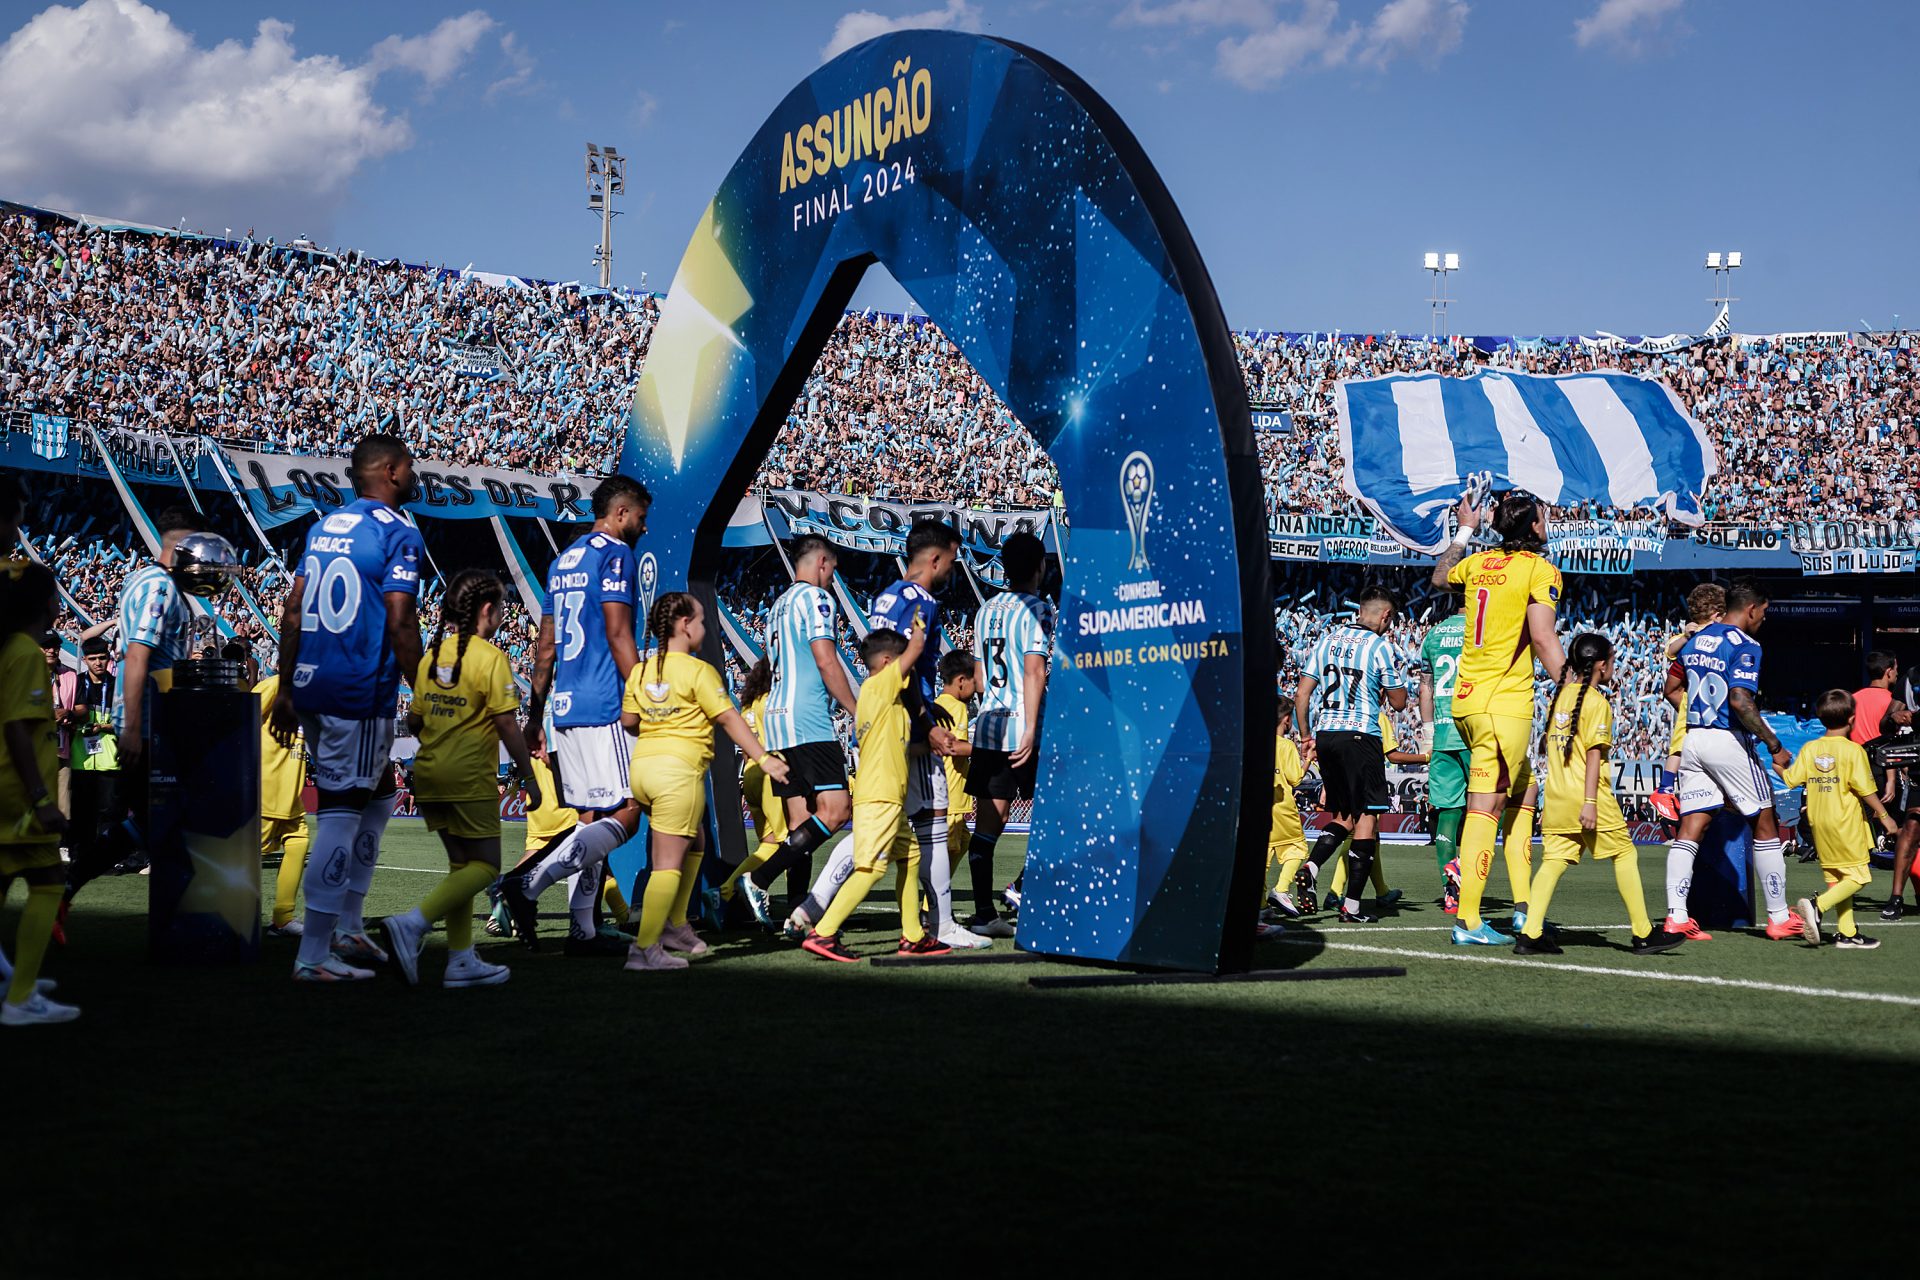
<point x="1354" y="771"/>
<point x="812" y="767"/>
<point x="992" y="776"/>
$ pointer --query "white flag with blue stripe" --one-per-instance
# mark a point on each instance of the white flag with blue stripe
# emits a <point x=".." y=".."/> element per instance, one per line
<point x="1411" y="440"/>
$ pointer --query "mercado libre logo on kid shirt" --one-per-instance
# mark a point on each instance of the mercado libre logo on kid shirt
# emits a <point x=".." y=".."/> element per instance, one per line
<point x="814" y="156"/>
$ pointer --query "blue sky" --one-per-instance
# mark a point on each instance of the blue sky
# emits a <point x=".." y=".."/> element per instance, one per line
<point x="1581" y="156"/>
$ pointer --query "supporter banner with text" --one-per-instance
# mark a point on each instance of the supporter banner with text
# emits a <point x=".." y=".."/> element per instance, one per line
<point x="869" y="524"/>
<point x="1854" y="546"/>
<point x="474" y="360"/>
<point x="279" y="487"/>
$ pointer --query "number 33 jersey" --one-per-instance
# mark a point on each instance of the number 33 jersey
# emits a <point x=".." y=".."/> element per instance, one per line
<point x="353" y="559"/>
<point x="1718" y="658"/>
<point x="596" y="570"/>
<point x="1009" y="627"/>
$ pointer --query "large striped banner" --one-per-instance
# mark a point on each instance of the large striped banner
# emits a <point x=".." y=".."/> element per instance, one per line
<point x="1411" y="440"/>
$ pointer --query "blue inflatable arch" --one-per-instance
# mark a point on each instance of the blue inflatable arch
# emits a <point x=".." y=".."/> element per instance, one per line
<point x="1008" y="199"/>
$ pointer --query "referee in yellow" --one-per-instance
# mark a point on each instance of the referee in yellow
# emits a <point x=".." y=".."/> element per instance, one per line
<point x="1512" y="597"/>
<point x="465" y="708"/>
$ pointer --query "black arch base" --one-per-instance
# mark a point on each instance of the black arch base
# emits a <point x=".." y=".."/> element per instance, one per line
<point x="1014" y="206"/>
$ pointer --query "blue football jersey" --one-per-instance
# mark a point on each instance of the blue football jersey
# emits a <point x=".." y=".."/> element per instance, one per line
<point x="1718" y="659"/>
<point x="799" y="708"/>
<point x="596" y="570"/>
<point x="897" y="607"/>
<point x="1352" y="668"/>
<point x="353" y="559"/>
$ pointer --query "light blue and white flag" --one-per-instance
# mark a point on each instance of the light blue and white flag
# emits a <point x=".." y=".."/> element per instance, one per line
<point x="50" y="433"/>
<point x="1411" y="441"/>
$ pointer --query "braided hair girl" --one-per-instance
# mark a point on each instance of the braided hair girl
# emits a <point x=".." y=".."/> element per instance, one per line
<point x="1584" y="655"/>
<point x="472" y="591"/>
<point x="672" y="608"/>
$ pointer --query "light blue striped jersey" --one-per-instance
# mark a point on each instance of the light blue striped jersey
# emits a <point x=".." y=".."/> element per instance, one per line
<point x="155" y="614"/>
<point x="596" y="571"/>
<point x="1010" y="626"/>
<point x="1353" y="668"/>
<point x="799" y="708"/>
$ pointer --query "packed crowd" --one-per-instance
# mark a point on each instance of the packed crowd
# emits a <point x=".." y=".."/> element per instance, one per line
<point x="304" y="350"/>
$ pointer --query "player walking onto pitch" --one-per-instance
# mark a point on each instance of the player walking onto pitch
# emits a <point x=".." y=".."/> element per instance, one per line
<point x="1350" y="673"/>
<point x="673" y="701"/>
<point x="1512" y="595"/>
<point x="283" y="818"/>
<point x="1012" y="637"/>
<point x="1446" y="750"/>
<point x="584" y="654"/>
<point x="1286" y="835"/>
<point x="348" y="629"/>
<point x="932" y="549"/>
<point x="1581" y="815"/>
<point x="808" y="679"/>
<point x="465" y="708"/>
<point x="1718" y="765"/>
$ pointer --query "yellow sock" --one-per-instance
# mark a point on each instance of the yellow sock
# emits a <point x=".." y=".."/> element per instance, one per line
<point x="655" y="905"/>
<point x="689" y="880"/>
<point x="753" y="863"/>
<point x="614" y="901"/>
<point x="1519" y="851"/>
<point x="30" y="943"/>
<point x="1377" y="874"/>
<point x="293" y="865"/>
<point x="1337" y="887"/>
<point x="852" y="894"/>
<point x="1476" y="860"/>
<point x="907" y="889"/>
<point x="1840" y="894"/>
<point x="1289" y="867"/>
<point x="452" y="900"/>
<point x="1626" y="878"/>
<point x="1550" y="873"/>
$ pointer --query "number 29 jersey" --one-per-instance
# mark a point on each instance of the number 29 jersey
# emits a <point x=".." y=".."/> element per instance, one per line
<point x="1009" y="627"/>
<point x="596" y="570"/>
<point x="353" y="559"/>
<point x="1717" y="659"/>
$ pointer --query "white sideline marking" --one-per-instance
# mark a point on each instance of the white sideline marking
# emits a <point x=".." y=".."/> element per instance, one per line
<point x="1704" y="980"/>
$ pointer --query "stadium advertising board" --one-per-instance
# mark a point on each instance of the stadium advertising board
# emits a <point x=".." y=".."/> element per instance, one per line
<point x="869" y="524"/>
<point x="1007" y="198"/>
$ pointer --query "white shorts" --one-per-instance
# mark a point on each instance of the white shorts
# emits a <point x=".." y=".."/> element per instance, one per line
<point x="593" y="761"/>
<point x="348" y="754"/>
<point x="926" y="783"/>
<point x="1719" y="767"/>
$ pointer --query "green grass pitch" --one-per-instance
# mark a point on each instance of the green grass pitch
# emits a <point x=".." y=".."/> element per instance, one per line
<point x="1730" y="1105"/>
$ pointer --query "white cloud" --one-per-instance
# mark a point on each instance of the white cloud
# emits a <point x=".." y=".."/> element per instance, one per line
<point x="1629" y="27"/>
<point x="110" y="108"/>
<point x="645" y="107"/>
<point x="862" y="25"/>
<point x="520" y="79"/>
<point x="1282" y="37"/>
<point x="435" y="56"/>
<point x="1425" y="29"/>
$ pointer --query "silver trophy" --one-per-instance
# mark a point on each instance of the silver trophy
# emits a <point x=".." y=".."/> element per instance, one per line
<point x="1136" y="495"/>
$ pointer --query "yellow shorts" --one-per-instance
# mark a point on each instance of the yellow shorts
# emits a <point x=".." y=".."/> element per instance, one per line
<point x="1496" y="748"/>
<point x="18" y="859"/>
<point x="462" y="819"/>
<point x="275" y="832"/>
<point x="1564" y="846"/>
<point x="673" y="791"/>
<point x="1859" y="873"/>
<point x="769" y="810"/>
<point x="880" y="832"/>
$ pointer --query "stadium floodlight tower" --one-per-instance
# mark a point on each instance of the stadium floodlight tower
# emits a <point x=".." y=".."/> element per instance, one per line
<point x="1723" y="265"/>
<point x="1441" y="265"/>
<point x="606" y="178"/>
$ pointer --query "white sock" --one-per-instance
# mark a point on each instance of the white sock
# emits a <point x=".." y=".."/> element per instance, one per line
<point x="1680" y="855"/>
<point x="831" y="877"/>
<point x="587" y="848"/>
<point x="582" y="892"/>
<point x="316" y="944"/>
<point x="1770" y="868"/>
<point x="936" y="874"/>
<point x="350" y="914"/>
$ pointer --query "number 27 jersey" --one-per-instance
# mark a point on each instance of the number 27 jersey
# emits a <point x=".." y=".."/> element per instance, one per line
<point x="1718" y="659"/>
<point x="596" y="570"/>
<point x="353" y="560"/>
